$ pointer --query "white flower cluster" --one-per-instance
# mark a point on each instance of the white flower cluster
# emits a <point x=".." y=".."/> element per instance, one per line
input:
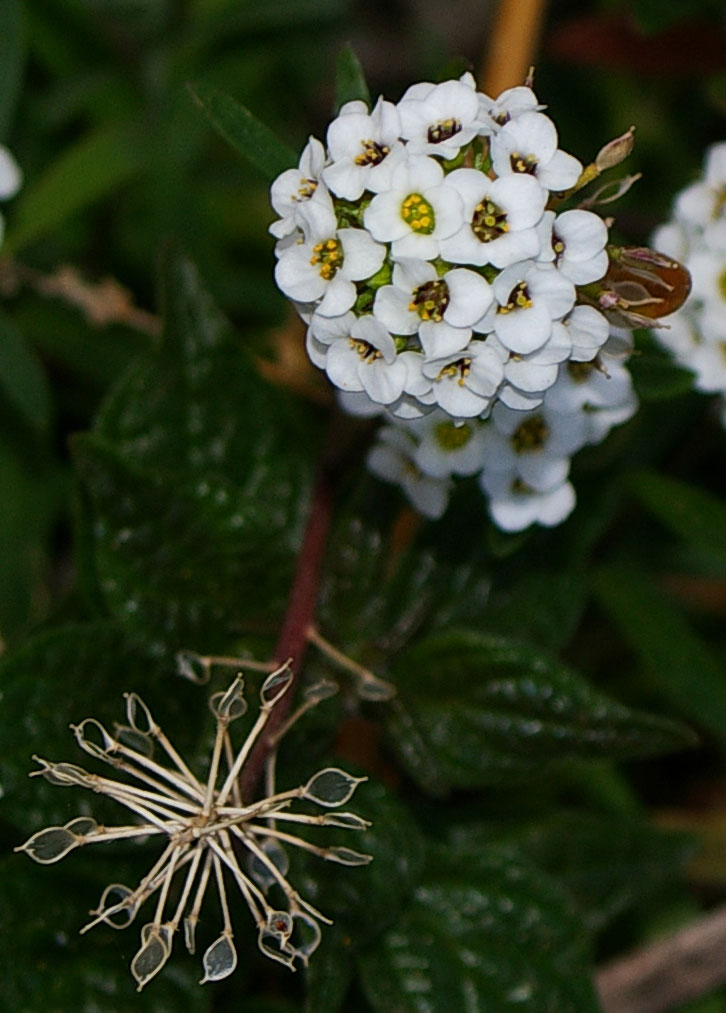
<point x="439" y="284"/>
<point x="696" y="235"/>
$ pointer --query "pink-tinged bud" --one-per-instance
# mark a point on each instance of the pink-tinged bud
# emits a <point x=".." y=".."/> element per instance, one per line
<point x="646" y="284"/>
<point x="615" y="151"/>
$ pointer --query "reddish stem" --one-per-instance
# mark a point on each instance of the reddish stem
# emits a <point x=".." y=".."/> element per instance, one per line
<point x="299" y="615"/>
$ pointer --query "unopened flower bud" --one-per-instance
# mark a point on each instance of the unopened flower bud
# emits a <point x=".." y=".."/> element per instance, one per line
<point x="616" y="151"/>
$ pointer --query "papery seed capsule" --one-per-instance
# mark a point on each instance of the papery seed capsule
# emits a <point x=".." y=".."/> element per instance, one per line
<point x="648" y="281"/>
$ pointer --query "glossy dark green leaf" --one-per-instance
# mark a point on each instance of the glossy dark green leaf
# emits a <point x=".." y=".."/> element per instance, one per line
<point x="474" y="709"/>
<point x="608" y="863"/>
<point x="22" y="380"/>
<point x="330" y="972"/>
<point x="197" y="405"/>
<point x="350" y="82"/>
<point x="181" y="561"/>
<point x="93" y="168"/>
<point x="675" y="660"/>
<point x="250" y="138"/>
<point x="68" y="674"/>
<point x="46" y="964"/>
<point x="658" y="378"/>
<point x="487" y="931"/>
<point x="691" y="513"/>
<point x="364" y="899"/>
<point x="31" y="489"/>
<point x="12" y="56"/>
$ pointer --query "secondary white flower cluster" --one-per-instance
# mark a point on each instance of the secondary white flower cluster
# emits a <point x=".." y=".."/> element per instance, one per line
<point x="696" y="235"/>
<point x="10" y="180"/>
<point x="424" y="249"/>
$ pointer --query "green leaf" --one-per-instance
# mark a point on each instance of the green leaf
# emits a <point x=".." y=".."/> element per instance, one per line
<point x="474" y="709"/>
<point x="197" y="405"/>
<point x="362" y="901"/>
<point x="692" y="514"/>
<point x="182" y="562"/>
<point x="22" y="379"/>
<point x="675" y="660"/>
<point x="12" y="58"/>
<point x="46" y="964"/>
<point x="607" y="874"/>
<point x="658" y="378"/>
<point x="248" y="136"/>
<point x="67" y="674"/>
<point x="95" y="167"/>
<point x="485" y="931"/>
<point x="329" y="972"/>
<point x="350" y="82"/>
<point x="30" y="489"/>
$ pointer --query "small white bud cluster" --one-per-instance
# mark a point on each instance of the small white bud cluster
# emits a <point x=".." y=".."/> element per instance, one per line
<point x="443" y="287"/>
<point x="696" y="235"/>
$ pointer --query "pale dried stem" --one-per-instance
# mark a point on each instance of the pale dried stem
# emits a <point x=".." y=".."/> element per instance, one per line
<point x="102" y="303"/>
<point x="670" y="972"/>
<point x="512" y="45"/>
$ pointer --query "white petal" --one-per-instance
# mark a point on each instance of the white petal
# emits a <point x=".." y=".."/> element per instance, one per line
<point x="470" y="297"/>
<point x="362" y="257"/>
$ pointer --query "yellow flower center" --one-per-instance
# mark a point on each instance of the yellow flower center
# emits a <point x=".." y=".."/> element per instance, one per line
<point x="523" y="163"/>
<point x="451" y="437"/>
<point x="443" y="130"/>
<point x="519" y="299"/>
<point x="418" y="214"/>
<point x="430" y="300"/>
<point x="365" y="350"/>
<point x="373" y="153"/>
<point x="329" y="255"/>
<point x="489" y="221"/>
<point x="305" y="191"/>
<point x="461" y="369"/>
<point x="531" y="435"/>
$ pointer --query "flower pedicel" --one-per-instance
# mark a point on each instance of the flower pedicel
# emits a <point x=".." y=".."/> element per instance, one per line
<point x="451" y="283"/>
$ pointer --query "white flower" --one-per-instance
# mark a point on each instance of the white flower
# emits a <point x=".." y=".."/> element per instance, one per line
<point x="296" y="186"/>
<point x="323" y="332"/>
<point x="529" y="298"/>
<point x="601" y="392"/>
<point x="514" y="506"/>
<point x="10" y="180"/>
<point x="392" y="460"/>
<point x="464" y="384"/>
<point x="446" y="447"/>
<point x="417" y="212"/>
<point x="498" y="219"/>
<point x="575" y="241"/>
<point x="366" y="361"/>
<point x="533" y="446"/>
<point x="528" y="144"/>
<point x="705" y="201"/>
<point x="440" y="309"/>
<point x="438" y="119"/>
<point x="510" y="104"/>
<point x="588" y="330"/>
<point x="364" y="149"/>
<point x="528" y="377"/>
<point x="327" y="262"/>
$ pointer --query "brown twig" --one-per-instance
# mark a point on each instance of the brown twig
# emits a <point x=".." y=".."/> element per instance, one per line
<point x="299" y="616"/>
<point x="512" y="45"/>
<point x="670" y="972"/>
<point x="102" y="302"/>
